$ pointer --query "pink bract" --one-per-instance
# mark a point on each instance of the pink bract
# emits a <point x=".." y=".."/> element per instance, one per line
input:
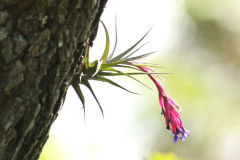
<point x="167" y="104"/>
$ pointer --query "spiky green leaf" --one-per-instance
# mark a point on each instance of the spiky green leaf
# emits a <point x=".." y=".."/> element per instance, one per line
<point x="128" y="50"/>
<point x="77" y="89"/>
<point x="87" y="84"/>
<point x="112" y="64"/>
<point x="116" y="37"/>
<point x="106" y="50"/>
<point x="117" y="72"/>
<point x="139" y="57"/>
<point x="102" y="73"/>
<point x="136" y="50"/>
<point x="103" y="79"/>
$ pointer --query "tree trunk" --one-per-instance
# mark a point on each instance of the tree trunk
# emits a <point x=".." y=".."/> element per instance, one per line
<point x="42" y="45"/>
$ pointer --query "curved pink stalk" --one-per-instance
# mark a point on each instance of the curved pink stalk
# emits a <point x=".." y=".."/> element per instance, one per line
<point x="167" y="104"/>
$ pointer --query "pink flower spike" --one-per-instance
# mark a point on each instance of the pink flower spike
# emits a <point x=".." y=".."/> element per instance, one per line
<point x="167" y="104"/>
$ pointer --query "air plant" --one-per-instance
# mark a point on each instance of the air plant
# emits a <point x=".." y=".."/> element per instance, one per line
<point x="109" y="66"/>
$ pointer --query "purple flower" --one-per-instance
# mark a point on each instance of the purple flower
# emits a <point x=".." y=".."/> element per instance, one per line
<point x="168" y="105"/>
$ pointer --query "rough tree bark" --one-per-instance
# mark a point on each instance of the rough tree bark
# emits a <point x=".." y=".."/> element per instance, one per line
<point x="42" y="44"/>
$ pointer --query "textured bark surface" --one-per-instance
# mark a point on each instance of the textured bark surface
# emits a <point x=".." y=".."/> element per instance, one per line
<point x="42" y="43"/>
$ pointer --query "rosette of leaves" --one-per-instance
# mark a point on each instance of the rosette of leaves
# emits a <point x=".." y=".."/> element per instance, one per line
<point x="108" y="66"/>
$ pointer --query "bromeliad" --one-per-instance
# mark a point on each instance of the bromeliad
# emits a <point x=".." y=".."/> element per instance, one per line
<point x="109" y="66"/>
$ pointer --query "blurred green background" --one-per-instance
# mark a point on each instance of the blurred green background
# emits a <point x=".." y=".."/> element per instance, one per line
<point x="203" y="53"/>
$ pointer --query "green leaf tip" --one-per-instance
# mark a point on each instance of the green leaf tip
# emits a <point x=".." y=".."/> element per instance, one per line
<point x="116" y="37"/>
<point x="129" y="49"/>
<point x="77" y="89"/>
<point x="87" y="84"/>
